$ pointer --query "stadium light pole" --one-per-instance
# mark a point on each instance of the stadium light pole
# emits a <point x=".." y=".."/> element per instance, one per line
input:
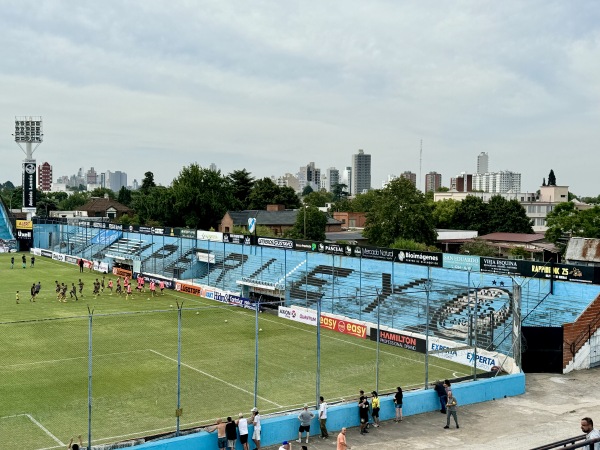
<point x="427" y="289"/>
<point x="378" y="334"/>
<point x="90" y="321"/>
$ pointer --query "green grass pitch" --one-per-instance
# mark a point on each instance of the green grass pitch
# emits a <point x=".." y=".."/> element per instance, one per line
<point x="44" y="361"/>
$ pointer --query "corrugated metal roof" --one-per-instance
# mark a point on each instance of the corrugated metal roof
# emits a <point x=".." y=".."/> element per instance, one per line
<point x="287" y="217"/>
<point x="513" y="237"/>
<point x="583" y="249"/>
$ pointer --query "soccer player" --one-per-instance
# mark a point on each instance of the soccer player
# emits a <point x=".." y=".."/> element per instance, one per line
<point x="38" y="288"/>
<point x="24" y="260"/>
<point x="17" y="297"/>
<point x="32" y="261"/>
<point x="118" y="291"/>
<point x="128" y="291"/>
<point x="80" y="287"/>
<point x="73" y="291"/>
<point x="161" y="285"/>
<point x="102" y="284"/>
<point x="110" y="286"/>
<point x="63" y="292"/>
<point x="32" y="299"/>
<point x="57" y="289"/>
<point x="152" y="288"/>
<point x="12" y="262"/>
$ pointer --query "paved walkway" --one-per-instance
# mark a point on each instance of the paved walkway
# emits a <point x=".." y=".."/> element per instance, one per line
<point x="550" y="410"/>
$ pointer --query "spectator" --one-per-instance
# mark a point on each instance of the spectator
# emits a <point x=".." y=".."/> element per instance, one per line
<point x="341" y="440"/>
<point x="451" y="410"/>
<point x="323" y="418"/>
<point x="72" y="446"/>
<point x="375" y="409"/>
<point x="587" y="426"/>
<point x="285" y="445"/>
<point x="80" y="264"/>
<point x="230" y="433"/>
<point x="221" y="436"/>
<point x="243" y="430"/>
<point x="304" y="417"/>
<point x="398" y="398"/>
<point x="443" y="396"/>
<point x="363" y="412"/>
<point x="256" y="422"/>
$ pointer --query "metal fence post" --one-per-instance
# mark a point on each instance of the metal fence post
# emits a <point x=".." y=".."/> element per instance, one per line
<point x="90" y="318"/>
<point x="427" y="289"/>
<point x="378" y="334"/>
<point x="256" y="311"/>
<point x="178" y="412"/>
<point x="318" y="380"/>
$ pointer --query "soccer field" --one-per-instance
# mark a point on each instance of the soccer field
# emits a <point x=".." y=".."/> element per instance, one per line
<point x="44" y="362"/>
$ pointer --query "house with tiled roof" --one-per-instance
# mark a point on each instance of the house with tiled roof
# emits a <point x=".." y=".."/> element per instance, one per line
<point x="535" y="244"/>
<point x="276" y="217"/>
<point x="105" y="207"/>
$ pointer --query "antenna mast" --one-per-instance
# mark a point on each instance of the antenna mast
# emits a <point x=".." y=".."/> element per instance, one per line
<point x="420" y="161"/>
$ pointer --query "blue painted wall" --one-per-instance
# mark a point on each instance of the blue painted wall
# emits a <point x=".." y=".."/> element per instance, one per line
<point x="277" y="429"/>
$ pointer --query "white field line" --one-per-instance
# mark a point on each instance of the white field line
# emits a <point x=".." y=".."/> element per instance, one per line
<point x="53" y="361"/>
<point x="42" y="427"/>
<point x="216" y="378"/>
<point x="347" y="342"/>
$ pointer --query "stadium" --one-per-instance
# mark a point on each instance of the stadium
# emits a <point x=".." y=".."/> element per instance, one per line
<point x="235" y="327"/>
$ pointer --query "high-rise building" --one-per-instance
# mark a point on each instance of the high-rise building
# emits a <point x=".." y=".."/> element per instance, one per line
<point x="433" y="181"/>
<point x="497" y="182"/>
<point x="361" y="172"/>
<point x="410" y="176"/>
<point x="333" y="178"/>
<point x="287" y="180"/>
<point x="483" y="163"/>
<point x="213" y="167"/>
<point x="462" y="182"/>
<point x="91" y="177"/>
<point x="115" y="180"/>
<point x="45" y="177"/>
<point x="310" y="175"/>
<point x="347" y="179"/>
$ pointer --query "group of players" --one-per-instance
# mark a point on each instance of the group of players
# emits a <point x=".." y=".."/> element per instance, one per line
<point x="98" y="288"/>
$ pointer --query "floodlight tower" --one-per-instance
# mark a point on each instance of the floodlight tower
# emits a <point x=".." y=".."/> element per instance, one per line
<point x="28" y="131"/>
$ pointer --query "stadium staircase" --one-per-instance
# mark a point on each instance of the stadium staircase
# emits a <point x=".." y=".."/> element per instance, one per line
<point x="577" y="333"/>
<point x="386" y="291"/>
<point x="262" y="268"/>
<point x="5" y="228"/>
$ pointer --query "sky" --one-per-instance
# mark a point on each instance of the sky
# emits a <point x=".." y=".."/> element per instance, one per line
<point x="269" y="86"/>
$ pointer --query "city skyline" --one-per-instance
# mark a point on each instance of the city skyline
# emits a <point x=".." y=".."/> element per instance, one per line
<point x="271" y="87"/>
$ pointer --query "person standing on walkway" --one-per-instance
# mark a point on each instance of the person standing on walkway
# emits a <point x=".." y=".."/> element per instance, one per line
<point x="242" y="425"/>
<point x="587" y="426"/>
<point x="375" y="404"/>
<point x="221" y="436"/>
<point x="323" y="417"/>
<point x="231" y="433"/>
<point x="451" y="410"/>
<point x="363" y="412"/>
<point x="305" y="418"/>
<point x="443" y="396"/>
<point x="256" y="422"/>
<point x="398" y="398"/>
<point x="341" y="440"/>
<point x="73" y="446"/>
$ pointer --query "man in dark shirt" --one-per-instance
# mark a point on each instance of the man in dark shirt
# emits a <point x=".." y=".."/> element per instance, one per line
<point x="441" y="392"/>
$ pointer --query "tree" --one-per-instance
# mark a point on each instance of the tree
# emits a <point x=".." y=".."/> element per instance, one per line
<point x="155" y="207"/>
<point x="472" y="214"/>
<point x="400" y="211"/>
<point x="241" y="184"/>
<point x="201" y="197"/>
<point x="266" y="192"/>
<point x="409" y="244"/>
<point x="565" y="221"/>
<point x="101" y="192"/>
<point x="147" y="182"/>
<point x="551" y="178"/>
<point x="307" y="190"/>
<point x="507" y="216"/>
<point x="339" y="191"/>
<point x="365" y="202"/>
<point x="310" y="224"/>
<point x="317" y="198"/>
<point x="477" y="247"/>
<point x="444" y="212"/>
<point x="124" y="196"/>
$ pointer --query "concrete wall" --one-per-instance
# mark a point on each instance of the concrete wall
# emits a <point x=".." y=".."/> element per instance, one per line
<point x="277" y="429"/>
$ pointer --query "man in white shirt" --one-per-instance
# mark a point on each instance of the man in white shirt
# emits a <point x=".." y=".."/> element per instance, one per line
<point x="323" y="418"/>
<point x="242" y="425"/>
<point x="587" y="426"/>
<point x="256" y="422"/>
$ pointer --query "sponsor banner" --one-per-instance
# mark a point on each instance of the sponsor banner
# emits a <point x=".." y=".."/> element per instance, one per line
<point x="214" y="236"/>
<point x="308" y="246"/>
<point x="198" y="291"/>
<point x="121" y="272"/>
<point x="169" y="284"/>
<point x="46" y="253"/>
<point x="301" y="315"/>
<point x="186" y="233"/>
<point x="497" y="265"/>
<point x="229" y="298"/>
<point x="206" y="257"/>
<point x="273" y="242"/>
<point x="58" y="257"/>
<point x="153" y="230"/>
<point x="24" y="225"/>
<point x="343" y="326"/>
<point x="29" y="186"/>
<point x="115" y="226"/>
<point x="24" y="235"/>
<point x="71" y="259"/>
<point x="461" y="262"/>
<point x="36" y="251"/>
<point x="243" y="239"/>
<point x="331" y="248"/>
<point x="483" y="360"/>
<point x="559" y="272"/>
<point x="421" y="258"/>
<point x="380" y="254"/>
<point x="399" y="340"/>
